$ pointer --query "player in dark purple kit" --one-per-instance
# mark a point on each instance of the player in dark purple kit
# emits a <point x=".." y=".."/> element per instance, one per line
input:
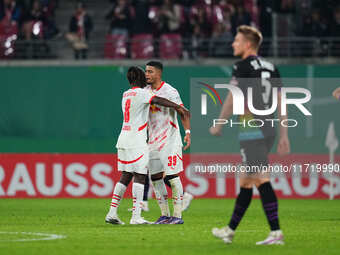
<point x="255" y="142"/>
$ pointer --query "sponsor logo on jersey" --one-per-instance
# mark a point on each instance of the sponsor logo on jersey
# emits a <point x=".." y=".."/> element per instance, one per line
<point x="154" y="109"/>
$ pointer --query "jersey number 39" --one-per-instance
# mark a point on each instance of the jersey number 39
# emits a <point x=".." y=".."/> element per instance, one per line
<point x="172" y="160"/>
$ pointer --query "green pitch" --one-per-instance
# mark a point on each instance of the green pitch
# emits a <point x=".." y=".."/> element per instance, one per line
<point x="310" y="227"/>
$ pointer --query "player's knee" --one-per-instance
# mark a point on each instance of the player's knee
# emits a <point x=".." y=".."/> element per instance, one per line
<point x="169" y="177"/>
<point x="246" y="183"/>
<point x="125" y="178"/>
<point x="156" y="177"/>
<point x="260" y="181"/>
<point x="139" y="178"/>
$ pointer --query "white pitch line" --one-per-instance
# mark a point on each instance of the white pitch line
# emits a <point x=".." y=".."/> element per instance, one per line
<point x="45" y="237"/>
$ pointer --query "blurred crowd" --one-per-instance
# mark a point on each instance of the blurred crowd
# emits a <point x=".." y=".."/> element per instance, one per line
<point x="27" y="20"/>
<point x="203" y="25"/>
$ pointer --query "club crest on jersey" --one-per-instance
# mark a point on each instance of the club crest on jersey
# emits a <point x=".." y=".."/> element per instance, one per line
<point x="154" y="109"/>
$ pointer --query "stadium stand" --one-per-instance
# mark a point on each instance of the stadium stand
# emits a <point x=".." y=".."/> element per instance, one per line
<point x="308" y="28"/>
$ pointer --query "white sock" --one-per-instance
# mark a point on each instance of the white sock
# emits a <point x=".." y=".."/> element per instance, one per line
<point x="137" y="195"/>
<point x="161" y="196"/>
<point x="177" y="191"/>
<point x="117" y="196"/>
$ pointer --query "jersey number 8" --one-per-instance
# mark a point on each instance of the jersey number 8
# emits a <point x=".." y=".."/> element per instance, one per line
<point x="127" y="110"/>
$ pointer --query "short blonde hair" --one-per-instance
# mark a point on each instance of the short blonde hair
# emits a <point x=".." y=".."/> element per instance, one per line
<point x="252" y="34"/>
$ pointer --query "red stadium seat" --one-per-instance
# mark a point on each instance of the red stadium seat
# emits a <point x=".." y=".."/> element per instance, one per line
<point x="8" y="36"/>
<point x="142" y="46"/>
<point x="115" y="46"/>
<point x="170" y="46"/>
<point x="194" y="11"/>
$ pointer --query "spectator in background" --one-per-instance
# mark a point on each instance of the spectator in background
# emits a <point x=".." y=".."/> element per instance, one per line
<point x="221" y="11"/>
<point x="50" y="6"/>
<point x="313" y="26"/>
<point x="169" y="17"/>
<point x="10" y="21"/>
<point x="120" y="18"/>
<point x="79" y="31"/>
<point x="35" y="20"/>
<point x="227" y="5"/>
<point x="266" y="24"/>
<point x="335" y="32"/>
<point x="10" y="13"/>
<point x="227" y="13"/>
<point x="198" y="32"/>
<point x="186" y="5"/>
<point x="265" y="19"/>
<point x="141" y="22"/>
<point x="287" y="6"/>
<point x="220" y="43"/>
<point x="39" y="21"/>
<point x="198" y="42"/>
<point x="335" y="28"/>
<point x="240" y="17"/>
<point x="157" y="3"/>
<point x="50" y="30"/>
<point x="201" y="19"/>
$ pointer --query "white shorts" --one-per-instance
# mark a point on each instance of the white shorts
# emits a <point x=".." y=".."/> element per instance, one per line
<point x="168" y="160"/>
<point x="133" y="160"/>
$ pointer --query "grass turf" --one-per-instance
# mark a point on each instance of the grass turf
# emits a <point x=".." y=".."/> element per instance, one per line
<point x="310" y="227"/>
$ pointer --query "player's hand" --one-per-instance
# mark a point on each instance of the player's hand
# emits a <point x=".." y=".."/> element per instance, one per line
<point x="184" y="112"/>
<point x="216" y="131"/>
<point x="336" y="93"/>
<point x="283" y="147"/>
<point x="187" y="140"/>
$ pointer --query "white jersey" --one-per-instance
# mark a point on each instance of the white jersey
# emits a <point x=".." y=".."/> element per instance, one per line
<point x="135" y="107"/>
<point x="163" y="125"/>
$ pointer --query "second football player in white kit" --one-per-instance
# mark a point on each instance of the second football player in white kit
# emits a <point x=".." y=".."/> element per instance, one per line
<point x="165" y="145"/>
<point x="133" y="153"/>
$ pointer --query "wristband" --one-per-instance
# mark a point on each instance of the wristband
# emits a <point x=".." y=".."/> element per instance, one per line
<point x="187" y="131"/>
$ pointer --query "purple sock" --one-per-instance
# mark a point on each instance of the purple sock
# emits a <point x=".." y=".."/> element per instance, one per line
<point x="242" y="203"/>
<point x="270" y="205"/>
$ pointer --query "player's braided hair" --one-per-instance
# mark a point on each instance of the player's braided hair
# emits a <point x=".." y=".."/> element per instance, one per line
<point x="136" y="76"/>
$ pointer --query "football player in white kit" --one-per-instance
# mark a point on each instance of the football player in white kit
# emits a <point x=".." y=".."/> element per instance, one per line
<point x="165" y="145"/>
<point x="133" y="153"/>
